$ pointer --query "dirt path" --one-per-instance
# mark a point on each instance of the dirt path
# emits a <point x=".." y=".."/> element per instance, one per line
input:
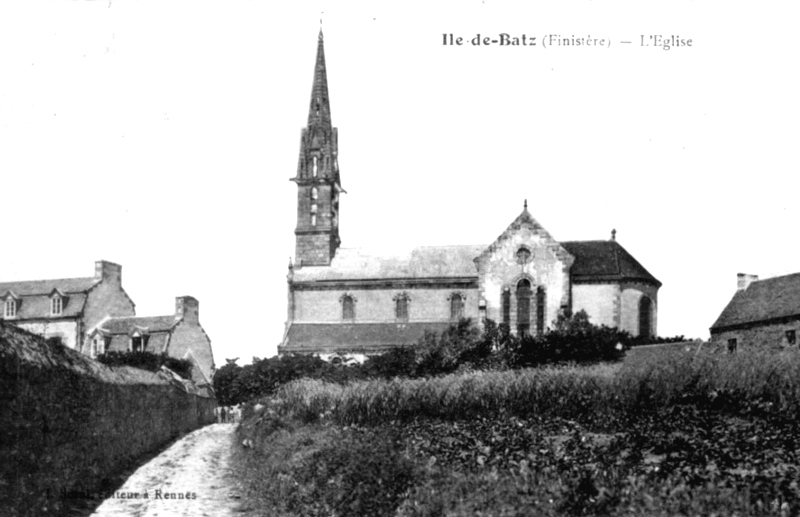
<point x="191" y="478"/>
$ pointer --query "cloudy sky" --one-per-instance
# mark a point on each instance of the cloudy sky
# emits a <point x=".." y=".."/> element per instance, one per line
<point x="162" y="136"/>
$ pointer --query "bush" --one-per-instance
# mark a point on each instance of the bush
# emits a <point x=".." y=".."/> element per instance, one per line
<point x="148" y="361"/>
<point x="574" y="339"/>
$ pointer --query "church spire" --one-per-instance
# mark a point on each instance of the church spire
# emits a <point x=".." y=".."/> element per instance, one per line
<point x="319" y="111"/>
<point x="318" y="183"/>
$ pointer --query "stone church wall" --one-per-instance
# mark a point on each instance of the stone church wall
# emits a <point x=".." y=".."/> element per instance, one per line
<point x="629" y="310"/>
<point x="546" y="267"/>
<point x="600" y="301"/>
<point x="378" y="305"/>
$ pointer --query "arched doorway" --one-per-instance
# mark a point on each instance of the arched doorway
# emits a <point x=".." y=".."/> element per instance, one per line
<point x="523" y="307"/>
<point x="645" y="317"/>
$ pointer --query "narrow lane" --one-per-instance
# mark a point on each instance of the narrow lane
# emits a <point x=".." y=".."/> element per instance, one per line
<point x="191" y="478"/>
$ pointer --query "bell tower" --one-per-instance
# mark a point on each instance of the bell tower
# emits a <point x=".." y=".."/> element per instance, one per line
<point x="318" y="184"/>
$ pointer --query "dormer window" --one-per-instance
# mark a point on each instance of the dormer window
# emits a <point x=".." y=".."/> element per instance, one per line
<point x="56" y="305"/>
<point x="98" y="346"/>
<point x="10" y="308"/>
<point x="139" y="342"/>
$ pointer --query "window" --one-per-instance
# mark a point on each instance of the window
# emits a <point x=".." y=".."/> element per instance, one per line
<point x="139" y="343"/>
<point x="523" y="255"/>
<point x="314" y="166"/>
<point x="314" y="193"/>
<point x="348" y="308"/>
<point x="732" y="345"/>
<point x="506" y="302"/>
<point x="56" y="305"/>
<point x="456" y="306"/>
<point x="523" y="307"/>
<point x="10" y="309"/>
<point x="98" y="346"/>
<point x="401" y="307"/>
<point x="541" y="306"/>
<point x="313" y="219"/>
<point x="791" y="337"/>
<point x="136" y="344"/>
<point x="645" y="311"/>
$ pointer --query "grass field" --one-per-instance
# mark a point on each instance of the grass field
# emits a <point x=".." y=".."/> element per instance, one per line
<point x="673" y="430"/>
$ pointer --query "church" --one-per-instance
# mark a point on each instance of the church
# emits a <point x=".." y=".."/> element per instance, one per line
<point x="354" y="302"/>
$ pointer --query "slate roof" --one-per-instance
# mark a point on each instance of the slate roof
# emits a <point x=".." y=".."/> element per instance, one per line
<point x="34" y="296"/>
<point x="123" y="325"/>
<point x="338" y="337"/>
<point x="764" y="300"/>
<point x="605" y="260"/>
<point x="420" y="262"/>
<point x="45" y="287"/>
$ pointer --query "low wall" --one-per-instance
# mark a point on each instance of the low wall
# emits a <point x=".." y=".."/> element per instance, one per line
<point x="67" y="422"/>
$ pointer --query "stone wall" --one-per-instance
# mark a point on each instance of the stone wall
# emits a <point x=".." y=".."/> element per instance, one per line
<point x="765" y="336"/>
<point x="69" y="423"/>
<point x="378" y="305"/>
<point x="600" y="301"/>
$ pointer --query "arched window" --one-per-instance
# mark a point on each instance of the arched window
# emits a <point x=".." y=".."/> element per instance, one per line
<point x="456" y="306"/>
<point x="523" y="255"/>
<point x="541" y="307"/>
<point x="524" y="307"/>
<point x="314" y="166"/>
<point x="506" y="306"/>
<point x="401" y="307"/>
<point x="348" y="308"/>
<point x="645" y="316"/>
<point x="314" y="193"/>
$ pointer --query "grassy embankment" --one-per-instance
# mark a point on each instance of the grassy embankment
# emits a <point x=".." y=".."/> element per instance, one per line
<point x="667" y="432"/>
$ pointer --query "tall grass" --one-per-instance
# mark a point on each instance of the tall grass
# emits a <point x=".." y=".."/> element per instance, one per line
<point x="768" y="378"/>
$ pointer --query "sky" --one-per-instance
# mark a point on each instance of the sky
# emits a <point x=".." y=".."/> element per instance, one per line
<point x="162" y="136"/>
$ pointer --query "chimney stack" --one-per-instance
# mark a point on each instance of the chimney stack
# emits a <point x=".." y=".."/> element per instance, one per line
<point x="188" y="308"/>
<point x="744" y="280"/>
<point x="107" y="272"/>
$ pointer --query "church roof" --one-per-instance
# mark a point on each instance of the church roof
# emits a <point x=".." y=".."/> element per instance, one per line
<point x="426" y="262"/>
<point x="361" y="337"/>
<point x="594" y="261"/>
<point x="762" y="301"/>
<point x="605" y="260"/>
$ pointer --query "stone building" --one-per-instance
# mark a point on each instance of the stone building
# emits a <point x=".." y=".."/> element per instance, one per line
<point x="345" y="301"/>
<point x="761" y="313"/>
<point x="94" y="315"/>
<point x="180" y="335"/>
<point x="65" y="309"/>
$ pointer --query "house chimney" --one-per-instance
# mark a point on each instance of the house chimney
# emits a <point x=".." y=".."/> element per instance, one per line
<point x="188" y="308"/>
<point x="107" y="272"/>
<point x="744" y="280"/>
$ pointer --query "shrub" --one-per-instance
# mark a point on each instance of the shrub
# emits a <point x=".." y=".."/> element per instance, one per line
<point x="148" y="361"/>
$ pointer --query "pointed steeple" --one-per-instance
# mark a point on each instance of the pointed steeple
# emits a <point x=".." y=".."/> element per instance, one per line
<point x="319" y="111"/>
<point x="318" y="183"/>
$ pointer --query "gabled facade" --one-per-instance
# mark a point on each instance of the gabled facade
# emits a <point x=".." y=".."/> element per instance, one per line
<point x="179" y="335"/>
<point x="64" y="309"/>
<point x="345" y="301"/>
<point x="760" y="313"/>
